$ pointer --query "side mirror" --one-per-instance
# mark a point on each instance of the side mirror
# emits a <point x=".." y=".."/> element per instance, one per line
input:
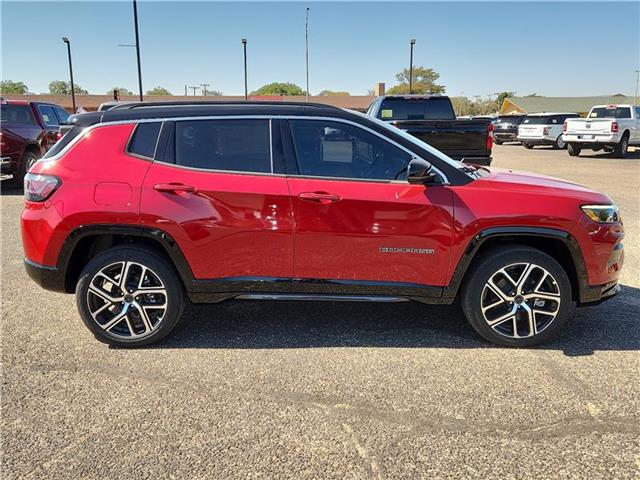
<point x="420" y="171"/>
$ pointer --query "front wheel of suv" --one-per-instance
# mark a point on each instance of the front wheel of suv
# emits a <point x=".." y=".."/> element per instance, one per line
<point x="518" y="296"/>
<point x="129" y="296"/>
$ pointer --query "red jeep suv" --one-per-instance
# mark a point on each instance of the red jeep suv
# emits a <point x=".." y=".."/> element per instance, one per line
<point x="144" y="206"/>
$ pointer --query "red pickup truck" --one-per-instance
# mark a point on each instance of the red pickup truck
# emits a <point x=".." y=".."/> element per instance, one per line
<point x="27" y="131"/>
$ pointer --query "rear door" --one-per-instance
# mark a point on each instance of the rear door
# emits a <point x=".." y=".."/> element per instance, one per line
<point x="50" y="122"/>
<point x="219" y="192"/>
<point x="359" y="224"/>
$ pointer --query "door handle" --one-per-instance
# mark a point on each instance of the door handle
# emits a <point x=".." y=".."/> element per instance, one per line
<point x="323" y="198"/>
<point x="174" y="188"/>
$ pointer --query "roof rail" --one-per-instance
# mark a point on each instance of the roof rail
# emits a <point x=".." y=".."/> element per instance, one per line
<point x="183" y="103"/>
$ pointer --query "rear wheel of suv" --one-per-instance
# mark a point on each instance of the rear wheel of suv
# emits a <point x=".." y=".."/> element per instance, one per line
<point x="574" y="149"/>
<point x="559" y="144"/>
<point x="527" y="145"/>
<point x="517" y="296"/>
<point x="129" y="296"/>
<point x="622" y="147"/>
<point x="26" y="162"/>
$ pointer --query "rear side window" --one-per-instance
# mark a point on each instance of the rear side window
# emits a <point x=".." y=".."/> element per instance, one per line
<point x="144" y="139"/>
<point x="16" y="114"/>
<point x="538" y="120"/>
<point x="232" y="145"/>
<point x="48" y="116"/>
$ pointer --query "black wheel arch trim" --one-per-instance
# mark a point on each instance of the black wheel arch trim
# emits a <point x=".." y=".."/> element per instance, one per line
<point x="585" y="294"/>
<point x="213" y="290"/>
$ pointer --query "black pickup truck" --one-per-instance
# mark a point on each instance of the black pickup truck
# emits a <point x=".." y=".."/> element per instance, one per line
<point x="431" y="118"/>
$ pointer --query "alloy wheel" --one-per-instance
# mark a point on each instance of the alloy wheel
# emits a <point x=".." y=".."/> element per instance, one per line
<point x="127" y="300"/>
<point x="520" y="300"/>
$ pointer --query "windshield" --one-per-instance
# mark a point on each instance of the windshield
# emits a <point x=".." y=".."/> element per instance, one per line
<point x="415" y="141"/>
<point x="610" y="112"/>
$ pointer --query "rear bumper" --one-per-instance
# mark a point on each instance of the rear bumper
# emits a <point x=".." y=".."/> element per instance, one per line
<point x="49" y="278"/>
<point x="537" y="140"/>
<point x="593" y="139"/>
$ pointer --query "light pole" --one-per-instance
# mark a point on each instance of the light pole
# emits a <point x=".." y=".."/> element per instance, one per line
<point x="635" y="98"/>
<point x="244" y="47"/>
<point x="306" y="48"/>
<point x="135" y="22"/>
<point x="73" y="93"/>
<point x="204" y="88"/>
<point x="413" y="42"/>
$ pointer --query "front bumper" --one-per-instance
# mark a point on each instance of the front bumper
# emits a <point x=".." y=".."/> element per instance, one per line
<point x="5" y="165"/>
<point x="49" y="278"/>
<point x="593" y="296"/>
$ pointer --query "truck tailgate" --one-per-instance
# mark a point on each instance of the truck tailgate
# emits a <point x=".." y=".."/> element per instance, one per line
<point x="591" y="126"/>
<point x="457" y="138"/>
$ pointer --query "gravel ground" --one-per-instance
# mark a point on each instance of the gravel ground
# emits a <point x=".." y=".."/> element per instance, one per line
<point x="320" y="390"/>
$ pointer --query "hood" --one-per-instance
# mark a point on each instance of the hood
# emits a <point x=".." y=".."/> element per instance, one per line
<point x="514" y="180"/>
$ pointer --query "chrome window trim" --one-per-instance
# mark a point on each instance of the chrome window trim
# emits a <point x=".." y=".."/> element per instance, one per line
<point x="87" y="130"/>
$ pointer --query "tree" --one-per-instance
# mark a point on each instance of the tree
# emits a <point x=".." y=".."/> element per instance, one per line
<point x="158" y="91"/>
<point x="502" y="96"/>
<point x="327" y="93"/>
<point x="279" y="88"/>
<point x="121" y="91"/>
<point x="424" y="81"/>
<point x="532" y="95"/>
<point x="16" y="88"/>
<point x="60" y="87"/>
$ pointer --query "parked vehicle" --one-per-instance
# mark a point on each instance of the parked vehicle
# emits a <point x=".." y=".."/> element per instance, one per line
<point x="543" y="129"/>
<point x="431" y="118"/>
<point x="209" y="202"/>
<point x="506" y="128"/>
<point x="610" y="127"/>
<point x="27" y="131"/>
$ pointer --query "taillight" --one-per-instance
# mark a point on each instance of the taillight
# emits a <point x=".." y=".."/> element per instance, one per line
<point x="614" y="127"/>
<point x="546" y="131"/>
<point x="490" y="136"/>
<point x="564" y="127"/>
<point x="38" y="187"/>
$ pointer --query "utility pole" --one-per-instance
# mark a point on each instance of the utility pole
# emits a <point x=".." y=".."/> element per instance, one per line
<point x="194" y="90"/>
<point x="135" y="22"/>
<point x="306" y="47"/>
<point x="413" y="42"/>
<point x="73" y="93"/>
<point x="185" y="91"/>
<point x="204" y="88"/>
<point x="244" y="46"/>
<point x="635" y="98"/>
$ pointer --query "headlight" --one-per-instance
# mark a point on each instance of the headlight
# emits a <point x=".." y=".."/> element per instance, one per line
<point x="602" y="213"/>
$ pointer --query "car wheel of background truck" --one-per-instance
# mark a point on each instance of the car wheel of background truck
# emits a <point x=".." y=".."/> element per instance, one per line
<point x="574" y="149"/>
<point x="559" y="144"/>
<point x="26" y="162"/>
<point x="623" y="147"/>
<point x="129" y="296"/>
<point x="497" y="142"/>
<point x="527" y="146"/>
<point x="517" y="296"/>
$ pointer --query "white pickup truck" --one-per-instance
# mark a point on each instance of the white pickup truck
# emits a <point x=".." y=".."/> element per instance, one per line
<point x="612" y="128"/>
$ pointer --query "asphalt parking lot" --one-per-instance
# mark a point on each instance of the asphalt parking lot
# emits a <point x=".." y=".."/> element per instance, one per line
<point x="321" y="390"/>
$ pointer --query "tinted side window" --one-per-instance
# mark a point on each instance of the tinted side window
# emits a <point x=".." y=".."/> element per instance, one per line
<point x="63" y="142"/>
<point x="16" y="114"/>
<point x="234" y="145"/>
<point x="335" y="149"/>
<point x="144" y="139"/>
<point x="61" y="113"/>
<point x="48" y="115"/>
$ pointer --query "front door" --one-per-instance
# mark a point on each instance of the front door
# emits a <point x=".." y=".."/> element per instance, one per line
<point x="358" y="222"/>
<point x="216" y="194"/>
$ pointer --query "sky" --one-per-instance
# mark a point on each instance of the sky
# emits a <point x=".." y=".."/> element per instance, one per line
<point x="478" y="48"/>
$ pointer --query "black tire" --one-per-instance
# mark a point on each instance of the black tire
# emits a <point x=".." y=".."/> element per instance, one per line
<point x="559" y="144"/>
<point x="120" y="334"/>
<point x="476" y="290"/>
<point x="622" y="147"/>
<point x="528" y="146"/>
<point x="26" y="162"/>
<point x="574" y="149"/>
<point x="498" y="142"/>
